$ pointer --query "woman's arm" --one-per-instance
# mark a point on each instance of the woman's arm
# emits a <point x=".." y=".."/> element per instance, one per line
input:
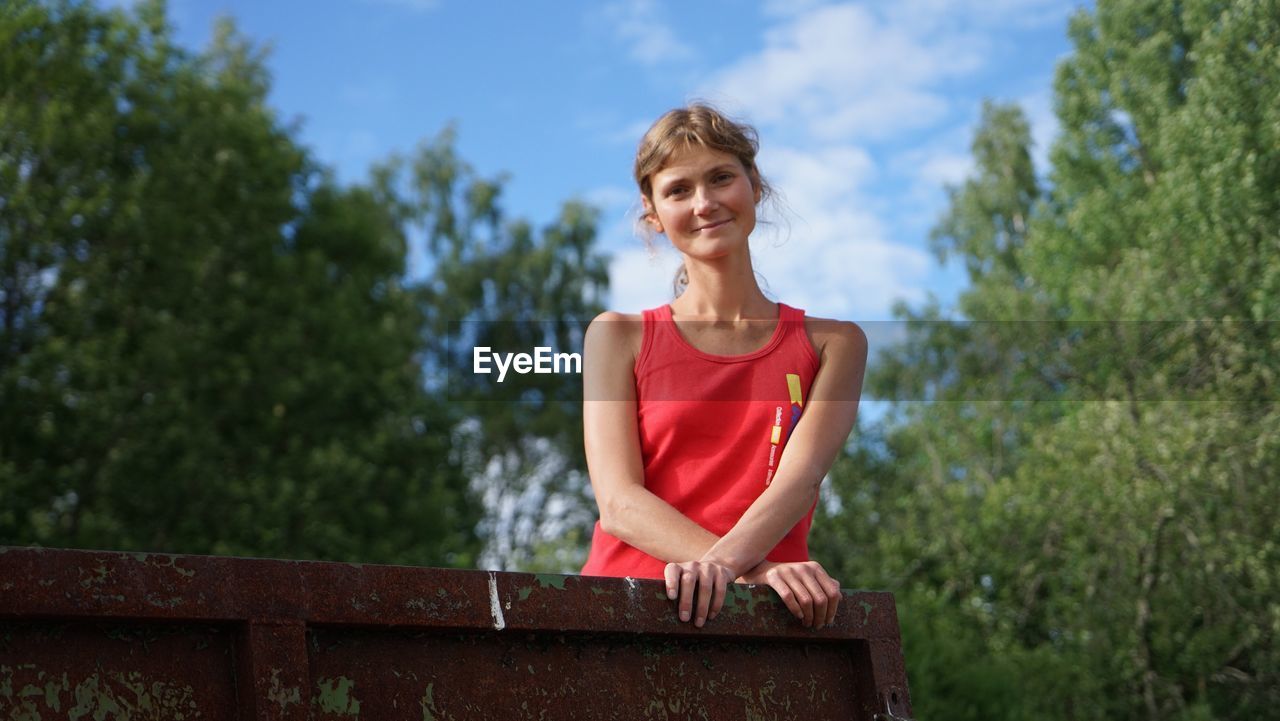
<point x="611" y="436"/>
<point x="805" y="588"/>
<point x="815" y="442"/>
<point x="628" y="510"/>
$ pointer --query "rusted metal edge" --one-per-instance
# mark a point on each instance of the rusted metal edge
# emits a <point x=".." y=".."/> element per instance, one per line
<point x="70" y="584"/>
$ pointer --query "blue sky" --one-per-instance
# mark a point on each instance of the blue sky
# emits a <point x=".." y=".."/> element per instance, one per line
<point x="865" y="111"/>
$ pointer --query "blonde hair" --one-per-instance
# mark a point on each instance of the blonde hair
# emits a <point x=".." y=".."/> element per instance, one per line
<point x="696" y="125"/>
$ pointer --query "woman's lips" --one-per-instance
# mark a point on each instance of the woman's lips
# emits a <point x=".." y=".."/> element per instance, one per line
<point x="714" y="225"/>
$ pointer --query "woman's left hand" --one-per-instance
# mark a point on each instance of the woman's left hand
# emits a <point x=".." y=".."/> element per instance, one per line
<point x="806" y="588"/>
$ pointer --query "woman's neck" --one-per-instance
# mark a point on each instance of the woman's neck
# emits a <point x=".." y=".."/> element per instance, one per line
<point x="723" y="292"/>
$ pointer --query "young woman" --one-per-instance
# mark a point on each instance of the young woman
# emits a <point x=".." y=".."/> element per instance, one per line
<point x="689" y="407"/>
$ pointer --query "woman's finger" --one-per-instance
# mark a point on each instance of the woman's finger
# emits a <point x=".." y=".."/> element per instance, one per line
<point x="717" y="601"/>
<point x="801" y="593"/>
<point x="672" y="574"/>
<point x="780" y="586"/>
<point x="830" y="588"/>
<point x="833" y="599"/>
<point x="707" y="577"/>
<point x="817" y="594"/>
<point x="688" y="585"/>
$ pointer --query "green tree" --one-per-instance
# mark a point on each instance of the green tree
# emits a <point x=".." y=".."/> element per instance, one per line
<point x="496" y="282"/>
<point x="206" y="345"/>
<point x="1083" y="506"/>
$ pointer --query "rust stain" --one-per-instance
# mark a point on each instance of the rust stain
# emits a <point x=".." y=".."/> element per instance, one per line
<point x="391" y="642"/>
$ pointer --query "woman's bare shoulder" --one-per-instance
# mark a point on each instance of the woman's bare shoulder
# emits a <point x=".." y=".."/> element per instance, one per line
<point x="616" y="331"/>
<point x="829" y="334"/>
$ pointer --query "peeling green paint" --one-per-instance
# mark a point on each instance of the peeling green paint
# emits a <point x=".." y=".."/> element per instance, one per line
<point x="551" y="580"/>
<point x="335" y="696"/>
<point x="165" y="560"/>
<point x="53" y="692"/>
<point x="282" y="695"/>
<point x="116" y="695"/>
<point x="866" y="611"/>
<point x="429" y="710"/>
<point x="524" y="592"/>
<point x="95" y="576"/>
<point x="172" y="602"/>
<point x="741" y="599"/>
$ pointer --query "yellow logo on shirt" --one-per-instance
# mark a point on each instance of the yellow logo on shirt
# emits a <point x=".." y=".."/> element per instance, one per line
<point x="775" y="434"/>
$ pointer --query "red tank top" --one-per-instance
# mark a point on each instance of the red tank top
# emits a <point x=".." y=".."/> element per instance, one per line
<point x="712" y="431"/>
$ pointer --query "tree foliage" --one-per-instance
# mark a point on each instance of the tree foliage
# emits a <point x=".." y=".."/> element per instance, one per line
<point x="499" y="283"/>
<point x="207" y="346"/>
<point x="1074" y="497"/>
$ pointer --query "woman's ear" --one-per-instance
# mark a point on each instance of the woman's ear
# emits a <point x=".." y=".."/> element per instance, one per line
<point x="650" y="215"/>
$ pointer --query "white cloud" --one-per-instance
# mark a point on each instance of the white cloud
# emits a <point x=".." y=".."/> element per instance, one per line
<point x="812" y="179"/>
<point x="941" y="168"/>
<point x="788" y="8"/>
<point x="843" y="72"/>
<point x="611" y="197"/>
<point x="837" y="260"/>
<point x="639" y="279"/>
<point x="942" y="159"/>
<point x="844" y="270"/>
<point x="648" y="39"/>
<point x="833" y="87"/>
<point x="630" y="133"/>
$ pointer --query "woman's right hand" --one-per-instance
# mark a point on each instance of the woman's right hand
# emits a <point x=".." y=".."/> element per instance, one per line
<point x="700" y="587"/>
<point x="806" y="588"/>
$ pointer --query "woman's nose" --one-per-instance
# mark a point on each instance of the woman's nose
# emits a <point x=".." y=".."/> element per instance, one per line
<point x="703" y="202"/>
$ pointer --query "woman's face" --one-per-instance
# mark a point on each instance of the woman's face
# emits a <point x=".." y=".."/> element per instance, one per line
<point x="704" y="201"/>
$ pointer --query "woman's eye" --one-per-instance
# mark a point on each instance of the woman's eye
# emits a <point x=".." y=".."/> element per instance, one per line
<point x="722" y="177"/>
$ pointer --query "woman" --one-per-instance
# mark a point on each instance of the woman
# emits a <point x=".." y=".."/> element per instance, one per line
<point x="688" y="407"/>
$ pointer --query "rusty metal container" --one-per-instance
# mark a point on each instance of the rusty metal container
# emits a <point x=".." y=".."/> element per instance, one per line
<point x="104" y="635"/>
